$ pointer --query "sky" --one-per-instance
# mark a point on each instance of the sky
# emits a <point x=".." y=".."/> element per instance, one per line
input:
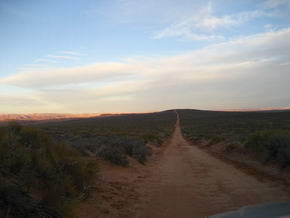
<point x="106" y="56"/>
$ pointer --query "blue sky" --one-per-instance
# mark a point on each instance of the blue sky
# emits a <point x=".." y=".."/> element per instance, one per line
<point x="87" y="56"/>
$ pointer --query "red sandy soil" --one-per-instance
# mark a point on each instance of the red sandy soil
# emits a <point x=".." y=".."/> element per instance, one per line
<point x="179" y="181"/>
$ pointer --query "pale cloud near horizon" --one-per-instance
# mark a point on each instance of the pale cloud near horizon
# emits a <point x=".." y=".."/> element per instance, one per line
<point x="66" y="76"/>
<point x="230" y="74"/>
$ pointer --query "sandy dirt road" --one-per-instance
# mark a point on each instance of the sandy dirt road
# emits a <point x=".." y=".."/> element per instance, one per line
<point x="188" y="182"/>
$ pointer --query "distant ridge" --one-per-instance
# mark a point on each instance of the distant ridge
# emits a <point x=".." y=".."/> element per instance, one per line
<point x="258" y="109"/>
<point x="46" y="117"/>
<point x="43" y="117"/>
<point x="62" y="116"/>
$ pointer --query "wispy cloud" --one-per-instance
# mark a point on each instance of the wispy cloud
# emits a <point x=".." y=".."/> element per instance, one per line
<point x="200" y="26"/>
<point x="33" y="67"/>
<point x="197" y="64"/>
<point x="186" y="33"/>
<point x="63" y="57"/>
<point x="238" y="71"/>
<point x="41" y="64"/>
<point x="57" y="59"/>
<point x="45" y="60"/>
<point x="72" y="53"/>
<point x="277" y="3"/>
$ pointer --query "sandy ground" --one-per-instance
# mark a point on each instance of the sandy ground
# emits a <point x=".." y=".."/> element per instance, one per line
<point x="180" y="181"/>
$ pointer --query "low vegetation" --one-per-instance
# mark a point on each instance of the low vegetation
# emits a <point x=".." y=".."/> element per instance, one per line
<point x="39" y="177"/>
<point x="271" y="145"/>
<point x="115" y="138"/>
<point x="47" y="168"/>
<point x="263" y="135"/>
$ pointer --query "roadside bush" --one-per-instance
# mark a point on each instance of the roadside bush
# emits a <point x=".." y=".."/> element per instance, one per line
<point x="271" y="145"/>
<point x="151" y="138"/>
<point x="116" y="149"/>
<point x="39" y="176"/>
<point x="215" y="139"/>
<point x="113" y="153"/>
<point x="21" y="204"/>
<point x="141" y="153"/>
<point x="231" y="147"/>
<point x="33" y="138"/>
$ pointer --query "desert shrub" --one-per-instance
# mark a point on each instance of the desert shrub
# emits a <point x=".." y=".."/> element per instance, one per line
<point x="271" y="145"/>
<point x="231" y="147"/>
<point x="152" y="138"/>
<point x="141" y="153"/>
<point x="136" y="149"/>
<point x="21" y="204"/>
<point x="33" y="138"/>
<point x="215" y="139"/>
<point x="113" y="153"/>
<point x="116" y="149"/>
<point x="39" y="176"/>
<point x="196" y="137"/>
<point x="283" y="154"/>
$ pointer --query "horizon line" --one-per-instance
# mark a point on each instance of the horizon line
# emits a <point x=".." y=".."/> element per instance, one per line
<point x="120" y="113"/>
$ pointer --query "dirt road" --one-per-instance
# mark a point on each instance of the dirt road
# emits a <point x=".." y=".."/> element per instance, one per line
<point x="180" y="181"/>
<point x="188" y="182"/>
